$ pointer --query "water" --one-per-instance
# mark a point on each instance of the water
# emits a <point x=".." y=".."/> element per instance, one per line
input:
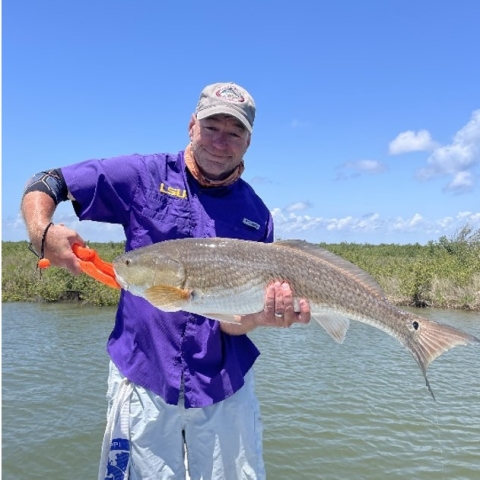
<point x="354" y="411"/>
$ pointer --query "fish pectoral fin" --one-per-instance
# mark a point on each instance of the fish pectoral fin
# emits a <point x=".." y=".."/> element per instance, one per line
<point x="166" y="297"/>
<point x="335" y="325"/>
<point x="223" y="317"/>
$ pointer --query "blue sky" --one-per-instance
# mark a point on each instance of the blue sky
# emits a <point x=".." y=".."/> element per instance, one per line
<point x="368" y="113"/>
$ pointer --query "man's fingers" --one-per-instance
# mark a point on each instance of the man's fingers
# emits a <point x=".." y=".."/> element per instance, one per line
<point x="270" y="299"/>
<point x="304" y="315"/>
<point x="279" y="300"/>
<point x="279" y="308"/>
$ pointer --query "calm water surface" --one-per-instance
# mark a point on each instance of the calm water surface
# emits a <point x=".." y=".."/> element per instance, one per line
<point x="354" y="411"/>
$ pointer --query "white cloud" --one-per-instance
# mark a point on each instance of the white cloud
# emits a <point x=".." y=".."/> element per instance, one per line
<point x="299" y="206"/>
<point x="369" y="166"/>
<point x="339" y="223"/>
<point x="291" y="222"/>
<point x="445" y="222"/>
<point x="411" y="141"/>
<point x="356" y="168"/>
<point x="469" y="217"/>
<point x="288" y="222"/>
<point x="457" y="159"/>
<point x="407" y="224"/>
<point x="293" y="225"/>
<point x="462" y="182"/>
<point x="371" y="221"/>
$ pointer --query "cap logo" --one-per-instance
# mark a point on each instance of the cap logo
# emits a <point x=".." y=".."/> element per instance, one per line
<point x="230" y="94"/>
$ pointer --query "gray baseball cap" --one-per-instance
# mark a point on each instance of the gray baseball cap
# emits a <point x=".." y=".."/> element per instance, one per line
<point x="227" y="99"/>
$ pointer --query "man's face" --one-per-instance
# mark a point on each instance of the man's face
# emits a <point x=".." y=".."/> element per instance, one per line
<point x="219" y="143"/>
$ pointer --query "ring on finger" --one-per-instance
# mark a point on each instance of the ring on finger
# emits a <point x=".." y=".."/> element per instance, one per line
<point x="279" y="314"/>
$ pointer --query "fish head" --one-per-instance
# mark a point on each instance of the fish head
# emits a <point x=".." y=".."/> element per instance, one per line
<point x="144" y="269"/>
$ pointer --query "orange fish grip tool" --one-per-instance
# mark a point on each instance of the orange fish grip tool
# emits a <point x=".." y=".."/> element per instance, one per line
<point x="94" y="266"/>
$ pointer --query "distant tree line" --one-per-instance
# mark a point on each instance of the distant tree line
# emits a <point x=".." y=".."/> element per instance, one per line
<point x="444" y="273"/>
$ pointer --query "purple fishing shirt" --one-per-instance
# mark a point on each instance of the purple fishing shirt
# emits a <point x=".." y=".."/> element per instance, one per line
<point x="155" y="198"/>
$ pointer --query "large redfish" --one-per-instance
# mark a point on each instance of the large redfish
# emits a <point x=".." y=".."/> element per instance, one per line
<point x="222" y="278"/>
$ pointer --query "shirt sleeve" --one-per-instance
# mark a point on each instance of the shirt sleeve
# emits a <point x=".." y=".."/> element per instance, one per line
<point x="103" y="190"/>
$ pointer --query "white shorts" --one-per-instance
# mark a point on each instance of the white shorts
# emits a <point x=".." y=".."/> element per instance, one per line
<point x="146" y="438"/>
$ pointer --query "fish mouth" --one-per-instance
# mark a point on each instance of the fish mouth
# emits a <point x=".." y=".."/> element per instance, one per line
<point x="123" y="284"/>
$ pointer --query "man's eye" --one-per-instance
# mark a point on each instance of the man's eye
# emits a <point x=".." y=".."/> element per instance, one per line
<point x="211" y="129"/>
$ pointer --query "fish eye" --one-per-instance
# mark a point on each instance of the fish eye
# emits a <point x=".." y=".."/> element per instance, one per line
<point x="128" y="262"/>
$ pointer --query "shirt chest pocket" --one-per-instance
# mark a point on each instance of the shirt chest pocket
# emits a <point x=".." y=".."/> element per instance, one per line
<point x="166" y="216"/>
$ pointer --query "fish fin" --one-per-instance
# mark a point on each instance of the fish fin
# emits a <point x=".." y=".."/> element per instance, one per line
<point x="429" y="339"/>
<point x="335" y="325"/>
<point x="166" y="297"/>
<point x="335" y="261"/>
<point x="223" y="317"/>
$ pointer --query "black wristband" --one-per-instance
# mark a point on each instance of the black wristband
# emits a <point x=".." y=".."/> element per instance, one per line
<point x="44" y="237"/>
<point x="42" y="246"/>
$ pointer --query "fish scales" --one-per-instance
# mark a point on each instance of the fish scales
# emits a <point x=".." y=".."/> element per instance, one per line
<point x="221" y="278"/>
<point x="231" y="266"/>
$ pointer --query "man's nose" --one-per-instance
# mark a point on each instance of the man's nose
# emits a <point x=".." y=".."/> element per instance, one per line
<point x="220" y="140"/>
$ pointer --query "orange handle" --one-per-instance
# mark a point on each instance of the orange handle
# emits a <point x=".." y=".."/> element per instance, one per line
<point x="94" y="266"/>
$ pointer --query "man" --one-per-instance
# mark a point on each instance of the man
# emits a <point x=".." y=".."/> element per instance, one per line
<point x="177" y="380"/>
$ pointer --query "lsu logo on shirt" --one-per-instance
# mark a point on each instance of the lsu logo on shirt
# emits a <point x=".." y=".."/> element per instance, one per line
<point x="173" y="192"/>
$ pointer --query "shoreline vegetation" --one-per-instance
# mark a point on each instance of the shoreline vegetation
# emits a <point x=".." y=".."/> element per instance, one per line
<point x="442" y="274"/>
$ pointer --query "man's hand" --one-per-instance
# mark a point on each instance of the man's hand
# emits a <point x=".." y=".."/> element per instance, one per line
<point x="279" y="311"/>
<point x="58" y="243"/>
<point x="279" y="308"/>
<point x="58" y="247"/>
<point x="38" y="209"/>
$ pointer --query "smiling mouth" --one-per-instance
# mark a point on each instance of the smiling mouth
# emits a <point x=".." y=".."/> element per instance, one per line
<point x="219" y="157"/>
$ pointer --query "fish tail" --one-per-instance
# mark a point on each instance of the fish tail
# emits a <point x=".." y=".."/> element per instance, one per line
<point x="430" y="339"/>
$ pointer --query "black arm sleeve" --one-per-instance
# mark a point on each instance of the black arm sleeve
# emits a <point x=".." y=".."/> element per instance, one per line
<point x="50" y="182"/>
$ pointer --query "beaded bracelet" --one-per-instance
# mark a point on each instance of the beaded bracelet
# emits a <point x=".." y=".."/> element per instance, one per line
<point x="42" y="261"/>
